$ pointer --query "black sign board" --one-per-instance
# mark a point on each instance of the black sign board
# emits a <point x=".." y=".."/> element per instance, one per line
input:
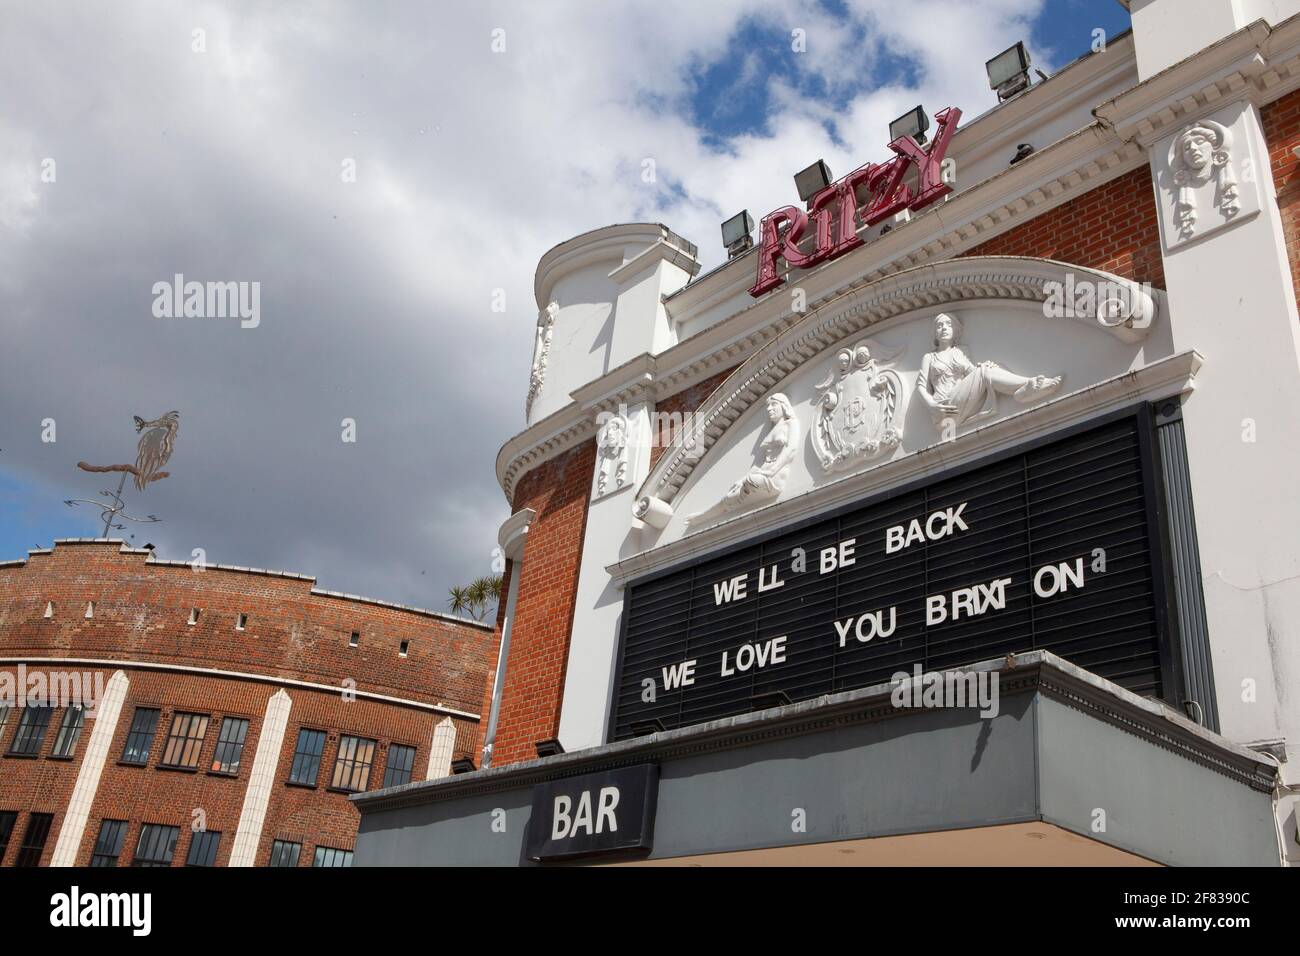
<point x="606" y="812"/>
<point x="1052" y="547"/>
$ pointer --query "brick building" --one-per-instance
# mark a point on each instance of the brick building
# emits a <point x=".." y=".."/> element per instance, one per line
<point x="1014" y="406"/>
<point x="215" y="717"/>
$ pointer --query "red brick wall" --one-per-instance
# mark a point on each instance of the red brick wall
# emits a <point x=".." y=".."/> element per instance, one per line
<point x="558" y="491"/>
<point x="141" y="611"/>
<point x="1113" y="228"/>
<point x="1281" y="120"/>
<point x="687" y="400"/>
<point x="139" y="619"/>
<point x="151" y="794"/>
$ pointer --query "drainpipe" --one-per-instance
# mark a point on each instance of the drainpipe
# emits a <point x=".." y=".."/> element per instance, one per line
<point x="511" y="539"/>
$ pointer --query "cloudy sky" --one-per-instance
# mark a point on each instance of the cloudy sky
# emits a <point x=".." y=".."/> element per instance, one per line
<point x="133" y="148"/>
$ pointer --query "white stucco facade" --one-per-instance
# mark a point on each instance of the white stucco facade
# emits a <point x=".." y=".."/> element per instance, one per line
<point x="625" y="321"/>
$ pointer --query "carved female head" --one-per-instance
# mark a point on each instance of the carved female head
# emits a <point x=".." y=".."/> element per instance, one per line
<point x="843" y="360"/>
<point x="947" y="329"/>
<point x="779" y="407"/>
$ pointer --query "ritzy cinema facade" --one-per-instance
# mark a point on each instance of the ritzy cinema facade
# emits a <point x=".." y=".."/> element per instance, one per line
<point x="954" y="522"/>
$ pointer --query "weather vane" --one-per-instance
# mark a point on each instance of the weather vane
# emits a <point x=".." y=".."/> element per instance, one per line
<point x="154" y="449"/>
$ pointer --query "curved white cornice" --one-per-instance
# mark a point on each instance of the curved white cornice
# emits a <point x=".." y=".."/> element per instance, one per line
<point x="601" y="244"/>
<point x="142" y="665"/>
<point x="1258" y="63"/>
<point x="929" y="286"/>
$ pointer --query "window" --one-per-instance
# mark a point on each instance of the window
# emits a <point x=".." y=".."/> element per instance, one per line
<point x="157" y="845"/>
<point x="306" y="757"/>
<point x="90" y="609"/>
<point x="49" y="609"/>
<point x="7" y="818"/>
<point x="65" y="744"/>
<point x="194" y="616"/>
<point x="31" y="731"/>
<point x="185" y="740"/>
<point x="406" y="646"/>
<point x="108" y="847"/>
<point x="33" y="845"/>
<point x="4" y="718"/>
<point x="140" y="739"/>
<point x="230" y="745"/>
<point x="241" y="621"/>
<point x="203" y="848"/>
<point x="284" y="853"/>
<point x="352" y="768"/>
<point x="328" y="856"/>
<point x="355" y="639"/>
<point x="398" y="769"/>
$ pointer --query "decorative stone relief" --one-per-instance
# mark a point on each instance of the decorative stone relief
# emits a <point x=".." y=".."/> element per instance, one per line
<point x="611" y="455"/>
<point x="1202" y="185"/>
<point x="954" y="387"/>
<point x="541" y="352"/>
<point x="860" y="412"/>
<point x="765" y="481"/>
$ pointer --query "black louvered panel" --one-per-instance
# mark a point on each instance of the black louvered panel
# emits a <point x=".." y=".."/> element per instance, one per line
<point x="1075" y="499"/>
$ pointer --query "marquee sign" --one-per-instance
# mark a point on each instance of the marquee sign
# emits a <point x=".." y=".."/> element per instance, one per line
<point x="604" y="812"/>
<point x="835" y="209"/>
<point x="1052" y="547"/>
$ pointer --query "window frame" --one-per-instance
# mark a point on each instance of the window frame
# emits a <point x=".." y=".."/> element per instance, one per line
<point x="352" y="763"/>
<point x="132" y="733"/>
<point x="316" y="857"/>
<point x="60" y="738"/>
<point x="282" y="846"/>
<point x="26" y="848"/>
<point x="215" y="765"/>
<point x="147" y="829"/>
<point x="30" y="749"/>
<point x="298" y="752"/>
<point x="388" y="764"/>
<point x="8" y="821"/>
<point x="120" y="828"/>
<point x="187" y="739"/>
<point x="202" y="838"/>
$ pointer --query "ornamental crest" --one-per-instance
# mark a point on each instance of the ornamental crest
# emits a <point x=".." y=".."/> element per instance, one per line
<point x="860" y="411"/>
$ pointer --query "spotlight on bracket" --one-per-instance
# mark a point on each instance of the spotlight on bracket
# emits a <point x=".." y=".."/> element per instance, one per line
<point x="913" y="123"/>
<point x="809" y="182"/>
<point x="643" y="728"/>
<point x="1009" y="71"/>
<point x="736" y="234"/>
<point x="770" y="699"/>
<point x="549" y="748"/>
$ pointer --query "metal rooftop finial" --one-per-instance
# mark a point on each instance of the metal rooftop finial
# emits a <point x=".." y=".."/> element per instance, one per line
<point x="152" y="452"/>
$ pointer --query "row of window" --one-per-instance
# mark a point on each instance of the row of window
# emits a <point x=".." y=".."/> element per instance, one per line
<point x="155" y="846"/>
<point x="241" y="623"/>
<point x="184" y="747"/>
<point x="34" y="837"/>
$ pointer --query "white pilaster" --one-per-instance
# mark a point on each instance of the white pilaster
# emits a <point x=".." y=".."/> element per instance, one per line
<point x="589" y="679"/>
<point x="1231" y="298"/>
<point x="260" y="781"/>
<point x="107" y="711"/>
<point x="441" y="749"/>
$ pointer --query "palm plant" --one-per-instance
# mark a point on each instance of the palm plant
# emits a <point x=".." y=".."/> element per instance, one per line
<point x="476" y="597"/>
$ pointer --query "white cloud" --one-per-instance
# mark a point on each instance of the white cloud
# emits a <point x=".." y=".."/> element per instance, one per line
<point x="376" y="294"/>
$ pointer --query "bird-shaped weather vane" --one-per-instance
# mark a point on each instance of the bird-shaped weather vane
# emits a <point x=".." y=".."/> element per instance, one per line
<point x="154" y="448"/>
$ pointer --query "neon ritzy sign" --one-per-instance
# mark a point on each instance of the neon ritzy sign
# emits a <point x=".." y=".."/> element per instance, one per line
<point x="886" y="194"/>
